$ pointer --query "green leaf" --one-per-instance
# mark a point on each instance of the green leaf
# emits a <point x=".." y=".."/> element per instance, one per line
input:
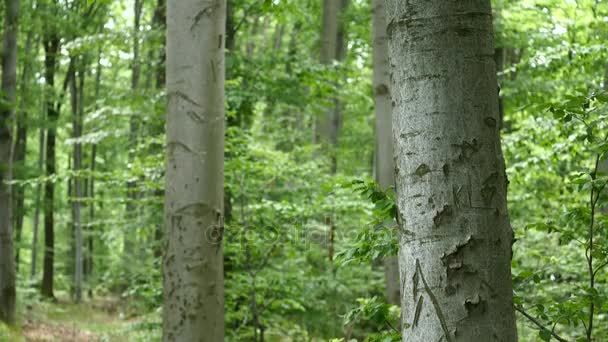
<point x="544" y="335"/>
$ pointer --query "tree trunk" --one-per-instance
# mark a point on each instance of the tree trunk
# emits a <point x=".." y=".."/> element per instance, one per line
<point x="132" y="193"/>
<point x="278" y="38"/>
<point x="51" y="48"/>
<point x="160" y="20"/>
<point x="76" y="103"/>
<point x="333" y="48"/>
<point x="455" y="247"/>
<point x="253" y="34"/>
<point x="91" y="227"/>
<point x="385" y="169"/>
<point x="19" y="151"/>
<point x="35" y="227"/>
<point x="9" y="85"/>
<point x="193" y="260"/>
<point x="329" y="42"/>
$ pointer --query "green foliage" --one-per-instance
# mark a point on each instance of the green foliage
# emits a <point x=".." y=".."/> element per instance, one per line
<point x="378" y="238"/>
<point x="299" y="240"/>
<point x="8" y="334"/>
<point x="385" y="317"/>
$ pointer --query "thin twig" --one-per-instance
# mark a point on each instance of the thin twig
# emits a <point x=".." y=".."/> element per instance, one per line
<point x="539" y="324"/>
<point x="392" y="327"/>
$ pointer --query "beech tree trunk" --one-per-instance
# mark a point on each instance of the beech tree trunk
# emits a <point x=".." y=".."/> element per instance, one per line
<point x="385" y="169"/>
<point x="455" y="245"/>
<point x="329" y="41"/>
<point x="193" y="260"/>
<point x="326" y="126"/>
<point x="9" y="85"/>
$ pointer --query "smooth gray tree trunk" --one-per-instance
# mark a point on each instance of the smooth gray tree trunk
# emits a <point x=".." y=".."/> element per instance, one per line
<point x="455" y="236"/>
<point x="385" y="169"/>
<point x="193" y="258"/>
<point x="333" y="48"/>
<point x="329" y="43"/>
<point x="9" y="86"/>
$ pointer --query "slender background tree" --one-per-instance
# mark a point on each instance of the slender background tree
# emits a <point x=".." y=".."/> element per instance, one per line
<point x="7" y="112"/>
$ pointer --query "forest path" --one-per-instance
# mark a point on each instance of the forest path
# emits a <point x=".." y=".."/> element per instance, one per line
<point x="100" y="319"/>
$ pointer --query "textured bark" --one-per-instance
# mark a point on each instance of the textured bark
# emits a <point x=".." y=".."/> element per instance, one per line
<point x="385" y="169"/>
<point x="455" y="236"/>
<point x="9" y="80"/>
<point x="193" y="260"/>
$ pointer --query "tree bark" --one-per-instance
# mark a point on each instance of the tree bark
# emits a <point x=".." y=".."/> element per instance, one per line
<point x="51" y="48"/>
<point x="76" y="103"/>
<point x="132" y="193"/>
<point x="160" y="21"/>
<point x="333" y="48"/>
<point x="329" y="43"/>
<point x="455" y="247"/>
<point x="19" y="153"/>
<point x="193" y="260"/>
<point x="90" y="241"/>
<point x="35" y="227"/>
<point x="9" y="85"/>
<point x="385" y="169"/>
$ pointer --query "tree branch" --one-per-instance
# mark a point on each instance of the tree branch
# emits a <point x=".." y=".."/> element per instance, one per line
<point x="539" y="324"/>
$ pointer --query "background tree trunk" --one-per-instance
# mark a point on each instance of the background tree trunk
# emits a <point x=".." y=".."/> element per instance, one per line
<point x="90" y="239"/>
<point x="35" y="227"/>
<point x="132" y="193"/>
<point x="193" y="260"/>
<point x="51" y="48"/>
<point x="385" y="168"/>
<point x="19" y="153"/>
<point x="9" y="85"/>
<point x="329" y="42"/>
<point x="160" y="20"/>
<point x="76" y="102"/>
<point x="455" y="247"/>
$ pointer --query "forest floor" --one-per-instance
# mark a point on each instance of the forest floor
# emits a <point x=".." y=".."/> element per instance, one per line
<point x="100" y="319"/>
